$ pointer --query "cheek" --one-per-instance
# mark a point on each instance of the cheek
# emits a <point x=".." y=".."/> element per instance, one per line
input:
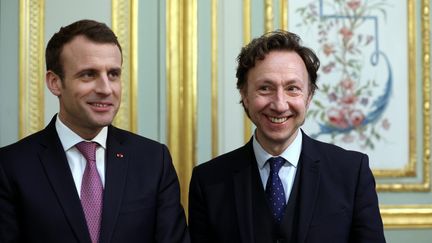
<point x="299" y="105"/>
<point x="79" y="89"/>
<point x="259" y="103"/>
<point x="116" y="88"/>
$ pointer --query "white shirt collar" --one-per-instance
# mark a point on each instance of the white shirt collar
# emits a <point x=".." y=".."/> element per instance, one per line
<point x="291" y="154"/>
<point x="69" y="138"/>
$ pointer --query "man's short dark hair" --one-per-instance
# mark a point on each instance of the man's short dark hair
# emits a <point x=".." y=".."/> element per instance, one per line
<point x="92" y="30"/>
<point x="277" y="40"/>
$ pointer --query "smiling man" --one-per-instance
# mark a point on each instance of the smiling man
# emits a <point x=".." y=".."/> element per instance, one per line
<point x="81" y="179"/>
<point x="282" y="186"/>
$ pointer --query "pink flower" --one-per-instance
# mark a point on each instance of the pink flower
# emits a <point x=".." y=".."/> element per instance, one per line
<point x="328" y="49"/>
<point x="327" y="68"/>
<point x="332" y="96"/>
<point x="386" y="124"/>
<point x="353" y="4"/>
<point x="347" y="84"/>
<point x="346" y="33"/>
<point x="356" y="117"/>
<point x="337" y="118"/>
<point x="349" y="99"/>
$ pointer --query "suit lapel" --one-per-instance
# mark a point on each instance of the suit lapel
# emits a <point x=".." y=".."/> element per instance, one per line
<point x="116" y="164"/>
<point x="53" y="159"/>
<point x="309" y="185"/>
<point x="242" y="192"/>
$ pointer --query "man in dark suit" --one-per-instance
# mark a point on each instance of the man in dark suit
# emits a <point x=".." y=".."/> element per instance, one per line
<point x="282" y="186"/>
<point x="81" y="179"/>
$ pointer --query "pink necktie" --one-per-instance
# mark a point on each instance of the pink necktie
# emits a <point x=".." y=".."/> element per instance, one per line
<point x="91" y="190"/>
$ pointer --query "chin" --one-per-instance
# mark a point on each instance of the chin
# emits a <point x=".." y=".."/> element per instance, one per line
<point x="282" y="136"/>
<point x="103" y="122"/>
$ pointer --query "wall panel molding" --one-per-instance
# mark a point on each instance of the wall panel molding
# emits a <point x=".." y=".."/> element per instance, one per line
<point x="31" y="66"/>
<point x="181" y="70"/>
<point x="125" y="25"/>
<point x="247" y="124"/>
<point x="214" y="78"/>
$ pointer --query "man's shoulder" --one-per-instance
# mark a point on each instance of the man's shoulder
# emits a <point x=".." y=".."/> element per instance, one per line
<point x="328" y="148"/>
<point x="130" y="138"/>
<point x="25" y="143"/>
<point x="17" y="156"/>
<point x="334" y="155"/>
<point x="224" y="164"/>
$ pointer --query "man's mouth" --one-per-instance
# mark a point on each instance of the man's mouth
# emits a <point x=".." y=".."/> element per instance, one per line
<point x="278" y="119"/>
<point x="100" y="104"/>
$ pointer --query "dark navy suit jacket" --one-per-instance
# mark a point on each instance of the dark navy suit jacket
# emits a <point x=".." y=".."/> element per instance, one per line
<point x="337" y="193"/>
<point x="39" y="201"/>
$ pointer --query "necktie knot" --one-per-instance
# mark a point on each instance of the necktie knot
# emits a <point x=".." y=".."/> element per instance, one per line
<point x="276" y="163"/>
<point x="88" y="149"/>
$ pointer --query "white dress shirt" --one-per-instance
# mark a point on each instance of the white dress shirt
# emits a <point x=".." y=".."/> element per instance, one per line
<point x="287" y="171"/>
<point x="76" y="160"/>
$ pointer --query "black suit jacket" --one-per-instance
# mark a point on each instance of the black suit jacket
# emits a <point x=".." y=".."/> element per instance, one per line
<point x="39" y="201"/>
<point x="337" y="193"/>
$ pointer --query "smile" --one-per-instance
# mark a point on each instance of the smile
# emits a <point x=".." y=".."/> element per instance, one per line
<point x="278" y="119"/>
<point x="100" y="104"/>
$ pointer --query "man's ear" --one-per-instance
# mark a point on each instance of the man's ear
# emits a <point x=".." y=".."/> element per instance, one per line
<point x="244" y="99"/>
<point x="308" y="101"/>
<point x="53" y="83"/>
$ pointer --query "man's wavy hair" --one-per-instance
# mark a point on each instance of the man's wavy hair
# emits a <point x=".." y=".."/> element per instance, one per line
<point x="278" y="40"/>
<point x="92" y="30"/>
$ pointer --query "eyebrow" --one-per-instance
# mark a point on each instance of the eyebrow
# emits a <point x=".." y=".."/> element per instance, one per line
<point x="119" y="70"/>
<point x="77" y="74"/>
<point x="285" y="82"/>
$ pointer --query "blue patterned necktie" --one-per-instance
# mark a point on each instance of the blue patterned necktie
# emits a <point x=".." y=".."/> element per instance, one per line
<point x="274" y="189"/>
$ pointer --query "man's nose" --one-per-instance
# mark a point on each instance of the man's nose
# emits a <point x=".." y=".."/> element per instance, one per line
<point x="103" y="85"/>
<point x="280" y="101"/>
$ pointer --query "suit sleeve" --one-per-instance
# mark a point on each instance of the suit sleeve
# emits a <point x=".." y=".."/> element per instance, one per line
<point x="200" y="228"/>
<point x="9" y="230"/>
<point x="171" y="221"/>
<point x="367" y="224"/>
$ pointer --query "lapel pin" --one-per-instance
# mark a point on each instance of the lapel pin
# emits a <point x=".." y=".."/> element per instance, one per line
<point x="119" y="155"/>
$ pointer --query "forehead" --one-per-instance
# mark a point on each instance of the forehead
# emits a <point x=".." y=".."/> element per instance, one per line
<point x="281" y="65"/>
<point x="81" y="49"/>
<point x="282" y="58"/>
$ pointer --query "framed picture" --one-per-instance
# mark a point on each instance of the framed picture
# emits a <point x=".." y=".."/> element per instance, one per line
<point x="371" y="96"/>
<point x="374" y="93"/>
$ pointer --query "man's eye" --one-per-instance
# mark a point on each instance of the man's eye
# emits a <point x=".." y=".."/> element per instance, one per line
<point x="113" y="75"/>
<point x="87" y="75"/>
<point x="293" y="88"/>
